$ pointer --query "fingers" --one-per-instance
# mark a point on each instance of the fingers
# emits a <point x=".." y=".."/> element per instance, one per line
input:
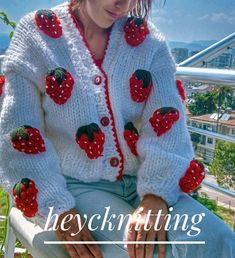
<point x="139" y="248"/>
<point x="136" y="250"/>
<point x="71" y="251"/>
<point x="149" y="248"/>
<point x="161" y="247"/>
<point x="83" y="251"/>
<point x="79" y="250"/>
<point x="132" y="234"/>
<point x="93" y="248"/>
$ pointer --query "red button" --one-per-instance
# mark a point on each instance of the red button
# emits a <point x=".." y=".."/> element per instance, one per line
<point x="104" y="121"/>
<point x="114" y="162"/>
<point x="98" y="80"/>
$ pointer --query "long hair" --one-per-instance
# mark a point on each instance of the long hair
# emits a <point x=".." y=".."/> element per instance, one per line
<point x="142" y="9"/>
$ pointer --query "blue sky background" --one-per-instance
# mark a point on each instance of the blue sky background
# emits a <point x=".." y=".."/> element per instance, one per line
<point x="179" y="20"/>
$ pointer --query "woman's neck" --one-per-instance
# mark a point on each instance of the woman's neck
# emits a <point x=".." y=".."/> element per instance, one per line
<point x="89" y="27"/>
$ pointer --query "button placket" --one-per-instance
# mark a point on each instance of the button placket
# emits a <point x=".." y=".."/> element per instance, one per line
<point x="114" y="161"/>
<point x="105" y="121"/>
<point x="97" y="80"/>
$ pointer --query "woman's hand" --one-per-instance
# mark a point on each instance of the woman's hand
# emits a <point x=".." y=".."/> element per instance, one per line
<point x="153" y="203"/>
<point x="75" y="250"/>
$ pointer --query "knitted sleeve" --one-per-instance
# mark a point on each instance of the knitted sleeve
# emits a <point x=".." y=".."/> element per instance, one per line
<point x="164" y="146"/>
<point x="29" y="165"/>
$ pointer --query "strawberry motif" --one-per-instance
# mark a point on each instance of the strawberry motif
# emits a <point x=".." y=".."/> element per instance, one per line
<point x="193" y="177"/>
<point x="136" y="31"/>
<point x="163" y="119"/>
<point x="28" y="140"/>
<point x="48" y="22"/>
<point x="180" y="88"/>
<point x="59" y="85"/>
<point x="2" y="82"/>
<point x="25" y="196"/>
<point x="91" y="139"/>
<point x="140" y="85"/>
<point x="131" y="136"/>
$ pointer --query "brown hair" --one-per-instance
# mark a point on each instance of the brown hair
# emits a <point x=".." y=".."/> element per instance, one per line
<point x="142" y="9"/>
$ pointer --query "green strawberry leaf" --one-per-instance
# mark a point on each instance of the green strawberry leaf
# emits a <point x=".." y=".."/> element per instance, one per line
<point x="47" y="13"/>
<point x="130" y="127"/>
<point x="59" y="73"/>
<point x="165" y="110"/>
<point x="92" y="128"/>
<point x="90" y="134"/>
<point x="145" y="76"/>
<point x="20" y="131"/>
<point x="88" y="130"/>
<point x="139" y="21"/>
<point x="130" y="18"/>
<point x="81" y="131"/>
<point x="25" y="181"/>
<point x="18" y="189"/>
<point x="27" y="126"/>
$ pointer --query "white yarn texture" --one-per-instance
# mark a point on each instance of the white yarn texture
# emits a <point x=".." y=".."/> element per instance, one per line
<point x="162" y="161"/>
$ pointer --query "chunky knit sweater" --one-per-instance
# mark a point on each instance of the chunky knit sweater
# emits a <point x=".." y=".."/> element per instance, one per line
<point x="63" y="113"/>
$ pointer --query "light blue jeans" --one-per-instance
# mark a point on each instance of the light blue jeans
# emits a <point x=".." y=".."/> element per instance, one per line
<point x="121" y="198"/>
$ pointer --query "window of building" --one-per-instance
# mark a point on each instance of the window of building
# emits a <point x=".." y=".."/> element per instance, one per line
<point x="203" y="140"/>
<point x="210" y="140"/>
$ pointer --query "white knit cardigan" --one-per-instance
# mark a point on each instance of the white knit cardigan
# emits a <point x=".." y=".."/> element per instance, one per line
<point x="161" y="161"/>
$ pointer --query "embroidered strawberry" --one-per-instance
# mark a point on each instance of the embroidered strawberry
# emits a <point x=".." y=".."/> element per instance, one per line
<point x="59" y="85"/>
<point x="140" y="85"/>
<point x="48" y="22"/>
<point x="25" y="196"/>
<point x="27" y="139"/>
<point x="163" y="119"/>
<point x="193" y="177"/>
<point x="2" y="82"/>
<point x="136" y="31"/>
<point x="91" y="139"/>
<point x="131" y="136"/>
<point x="180" y="88"/>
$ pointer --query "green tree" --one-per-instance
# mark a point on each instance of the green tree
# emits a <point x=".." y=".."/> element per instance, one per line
<point x="223" y="164"/>
<point x="5" y="19"/>
<point x="224" y="98"/>
<point x="212" y="101"/>
<point x="203" y="104"/>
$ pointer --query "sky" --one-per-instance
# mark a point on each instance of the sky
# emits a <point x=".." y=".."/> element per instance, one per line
<point x="179" y="20"/>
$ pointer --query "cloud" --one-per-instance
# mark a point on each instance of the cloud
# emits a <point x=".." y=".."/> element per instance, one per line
<point x="161" y="16"/>
<point x="162" y="20"/>
<point x="219" y="17"/>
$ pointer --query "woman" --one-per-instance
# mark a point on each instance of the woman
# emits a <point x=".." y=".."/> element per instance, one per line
<point x="90" y="103"/>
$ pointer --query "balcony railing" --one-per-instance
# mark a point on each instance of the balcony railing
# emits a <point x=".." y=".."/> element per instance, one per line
<point x="207" y="75"/>
<point x="211" y="76"/>
<point x="210" y="53"/>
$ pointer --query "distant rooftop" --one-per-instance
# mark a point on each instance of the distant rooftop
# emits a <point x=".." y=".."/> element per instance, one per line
<point x="209" y="118"/>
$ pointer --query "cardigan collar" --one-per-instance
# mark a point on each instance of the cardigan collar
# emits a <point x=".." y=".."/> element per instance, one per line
<point x="71" y="32"/>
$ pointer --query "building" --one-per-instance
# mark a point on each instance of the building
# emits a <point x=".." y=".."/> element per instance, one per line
<point x="193" y="52"/>
<point x="205" y="145"/>
<point x="179" y="54"/>
<point x="223" y="61"/>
